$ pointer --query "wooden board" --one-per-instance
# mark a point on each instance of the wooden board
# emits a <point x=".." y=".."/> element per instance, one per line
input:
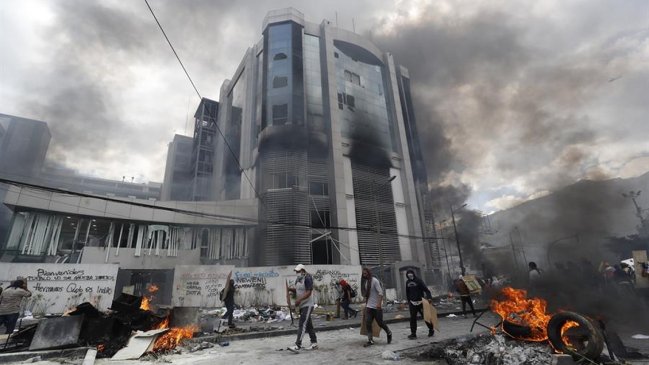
<point x="472" y="283"/>
<point x="226" y="289"/>
<point x="376" y="330"/>
<point x="639" y="257"/>
<point x="430" y="313"/>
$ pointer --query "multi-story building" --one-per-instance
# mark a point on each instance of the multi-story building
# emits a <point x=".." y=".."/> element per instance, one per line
<point x="320" y="128"/>
<point x="313" y="140"/>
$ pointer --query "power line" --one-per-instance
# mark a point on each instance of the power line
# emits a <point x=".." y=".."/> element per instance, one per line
<point x="199" y="214"/>
<point x="172" y="48"/>
<point x="227" y="144"/>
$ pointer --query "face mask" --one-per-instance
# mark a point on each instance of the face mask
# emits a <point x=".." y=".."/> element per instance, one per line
<point x="410" y="276"/>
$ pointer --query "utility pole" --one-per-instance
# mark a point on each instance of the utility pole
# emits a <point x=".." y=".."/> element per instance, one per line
<point x="457" y="241"/>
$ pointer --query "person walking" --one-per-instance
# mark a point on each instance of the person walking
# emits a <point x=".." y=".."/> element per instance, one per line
<point x="304" y="302"/>
<point x="465" y="295"/>
<point x="229" y="304"/>
<point x="373" y="293"/>
<point x="416" y="292"/>
<point x="10" y="301"/>
<point x="339" y="298"/>
<point x="346" y="299"/>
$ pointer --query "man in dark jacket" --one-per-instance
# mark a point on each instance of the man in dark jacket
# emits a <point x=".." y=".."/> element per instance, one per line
<point x="228" y="300"/>
<point x="417" y="291"/>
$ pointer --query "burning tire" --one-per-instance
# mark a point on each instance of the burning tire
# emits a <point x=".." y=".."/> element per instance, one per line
<point x="584" y="338"/>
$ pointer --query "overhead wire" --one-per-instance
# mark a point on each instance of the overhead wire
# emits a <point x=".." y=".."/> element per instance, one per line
<point x="225" y="140"/>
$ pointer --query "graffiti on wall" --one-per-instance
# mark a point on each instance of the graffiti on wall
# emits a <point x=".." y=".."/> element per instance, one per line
<point x="199" y="285"/>
<point x="57" y="288"/>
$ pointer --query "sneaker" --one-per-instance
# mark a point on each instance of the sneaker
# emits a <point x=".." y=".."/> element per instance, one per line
<point x="313" y="346"/>
<point x="294" y="348"/>
<point x="412" y="337"/>
<point x="431" y="333"/>
<point x="369" y="343"/>
<point x="389" y="338"/>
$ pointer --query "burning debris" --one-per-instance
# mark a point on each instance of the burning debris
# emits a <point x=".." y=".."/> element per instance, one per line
<point x="488" y="350"/>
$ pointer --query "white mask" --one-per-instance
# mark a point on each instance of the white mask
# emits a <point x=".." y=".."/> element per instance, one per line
<point x="410" y="276"/>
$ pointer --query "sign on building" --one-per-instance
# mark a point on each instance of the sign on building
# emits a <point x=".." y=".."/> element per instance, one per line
<point x="57" y="288"/>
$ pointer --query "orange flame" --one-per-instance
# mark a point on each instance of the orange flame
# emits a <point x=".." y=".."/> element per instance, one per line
<point x="153" y="288"/>
<point x="146" y="304"/>
<point x="516" y="308"/>
<point x="170" y="339"/>
<point x="566" y="326"/>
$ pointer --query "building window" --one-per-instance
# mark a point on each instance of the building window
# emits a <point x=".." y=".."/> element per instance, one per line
<point x="336" y="54"/>
<point x="279" y="56"/>
<point x="351" y="101"/>
<point x="280" y="81"/>
<point x="280" y="114"/>
<point x="284" y="180"/>
<point x="318" y="188"/>
<point x="354" y="78"/>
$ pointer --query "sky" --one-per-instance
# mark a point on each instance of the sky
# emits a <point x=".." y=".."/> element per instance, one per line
<point x="514" y="99"/>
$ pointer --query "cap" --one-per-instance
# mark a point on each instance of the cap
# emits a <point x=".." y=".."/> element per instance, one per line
<point x="299" y="267"/>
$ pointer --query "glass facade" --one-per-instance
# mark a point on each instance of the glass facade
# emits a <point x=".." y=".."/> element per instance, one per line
<point x="313" y="82"/>
<point x="236" y="105"/>
<point x="284" y="102"/>
<point x="362" y="100"/>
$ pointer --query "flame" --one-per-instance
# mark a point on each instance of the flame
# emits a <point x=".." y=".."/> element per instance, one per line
<point x="516" y="308"/>
<point x="146" y="300"/>
<point x="170" y="339"/>
<point x="146" y="304"/>
<point x="566" y="326"/>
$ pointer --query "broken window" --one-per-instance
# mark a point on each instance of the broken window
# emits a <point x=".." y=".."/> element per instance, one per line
<point x="280" y="81"/>
<point x="280" y="114"/>
<point x="352" y="77"/>
<point x="279" y="56"/>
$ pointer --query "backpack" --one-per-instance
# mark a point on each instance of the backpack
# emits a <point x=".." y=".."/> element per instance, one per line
<point x="353" y="293"/>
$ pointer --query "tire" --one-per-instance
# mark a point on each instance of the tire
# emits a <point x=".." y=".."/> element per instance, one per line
<point x="593" y="337"/>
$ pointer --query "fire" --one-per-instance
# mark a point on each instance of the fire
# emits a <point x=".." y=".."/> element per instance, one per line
<point x="146" y="304"/>
<point x="516" y="308"/>
<point x="146" y="300"/>
<point x="170" y="339"/>
<point x="566" y="326"/>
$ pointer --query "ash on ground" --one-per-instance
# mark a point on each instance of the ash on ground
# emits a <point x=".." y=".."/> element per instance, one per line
<point x="485" y="350"/>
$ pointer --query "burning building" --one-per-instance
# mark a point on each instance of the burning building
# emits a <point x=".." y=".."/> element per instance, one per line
<point x="318" y="126"/>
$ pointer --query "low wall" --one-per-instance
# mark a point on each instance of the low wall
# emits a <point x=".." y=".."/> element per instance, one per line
<point x="200" y="285"/>
<point x="58" y="287"/>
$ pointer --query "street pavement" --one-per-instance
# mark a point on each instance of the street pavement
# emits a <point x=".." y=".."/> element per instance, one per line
<point x="336" y="347"/>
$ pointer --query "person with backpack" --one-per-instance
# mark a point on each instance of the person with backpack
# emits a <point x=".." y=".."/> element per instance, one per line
<point x="346" y="300"/>
<point x="228" y="299"/>
<point x="416" y="292"/>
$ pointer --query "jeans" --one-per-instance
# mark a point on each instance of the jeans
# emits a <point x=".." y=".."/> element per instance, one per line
<point x="9" y="321"/>
<point x="348" y="310"/>
<point x="229" y="314"/>
<point x="414" y="310"/>
<point x="370" y="315"/>
<point x="466" y="299"/>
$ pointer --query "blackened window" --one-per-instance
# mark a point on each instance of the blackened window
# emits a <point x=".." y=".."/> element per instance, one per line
<point x="318" y="188"/>
<point x="280" y="114"/>
<point x="351" y="101"/>
<point x="280" y="81"/>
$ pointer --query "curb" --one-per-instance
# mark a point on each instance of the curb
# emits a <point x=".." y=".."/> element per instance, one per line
<point x="291" y="331"/>
<point x="77" y="352"/>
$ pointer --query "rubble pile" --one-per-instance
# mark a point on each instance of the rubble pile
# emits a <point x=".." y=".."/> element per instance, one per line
<point x="488" y="350"/>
